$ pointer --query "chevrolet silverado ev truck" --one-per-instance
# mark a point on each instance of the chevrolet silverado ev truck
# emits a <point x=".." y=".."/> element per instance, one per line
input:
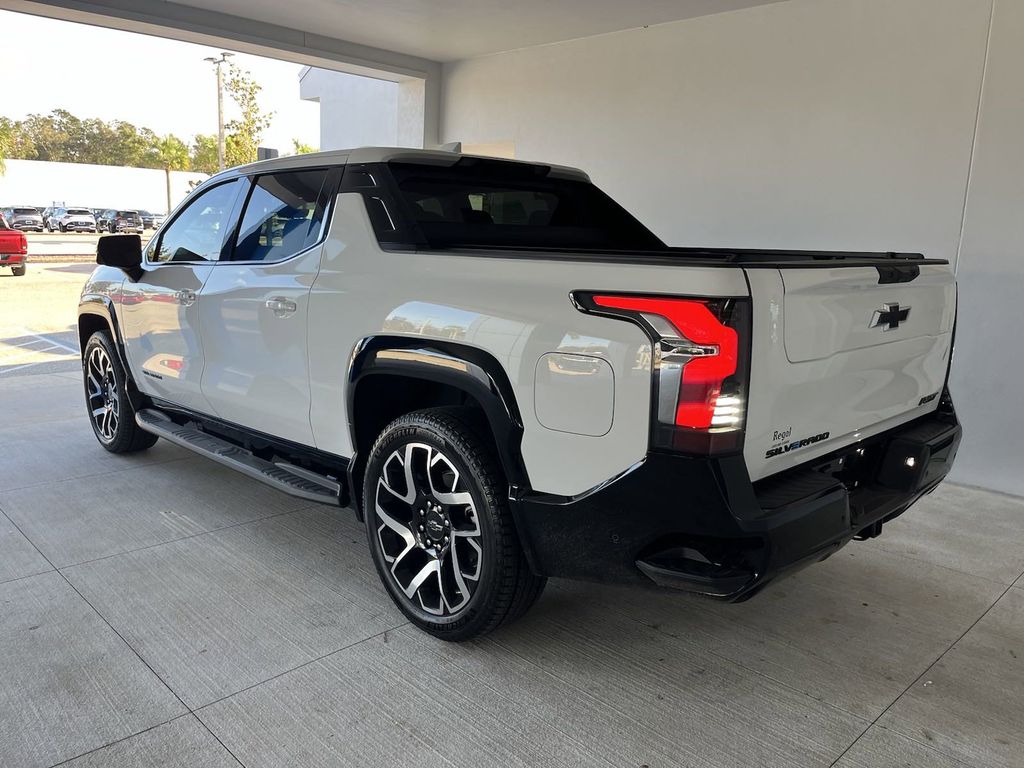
<point x="509" y="377"/>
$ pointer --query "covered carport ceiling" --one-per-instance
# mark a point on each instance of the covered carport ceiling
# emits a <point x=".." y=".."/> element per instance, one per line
<point x="445" y="30"/>
<point x="436" y="30"/>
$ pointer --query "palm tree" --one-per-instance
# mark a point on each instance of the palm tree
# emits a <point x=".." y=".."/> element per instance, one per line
<point x="173" y="155"/>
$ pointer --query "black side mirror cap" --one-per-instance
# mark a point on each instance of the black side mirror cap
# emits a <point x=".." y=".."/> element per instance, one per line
<point x="121" y="251"/>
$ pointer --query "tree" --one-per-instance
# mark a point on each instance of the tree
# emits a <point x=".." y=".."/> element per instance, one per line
<point x="244" y="133"/>
<point x="204" y="153"/>
<point x="302" y="149"/>
<point x="172" y="154"/>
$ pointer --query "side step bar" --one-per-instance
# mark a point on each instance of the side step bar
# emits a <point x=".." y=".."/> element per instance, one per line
<point x="289" y="479"/>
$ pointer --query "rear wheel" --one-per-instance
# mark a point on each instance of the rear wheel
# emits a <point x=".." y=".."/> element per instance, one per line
<point x="110" y="411"/>
<point x="18" y="271"/>
<point x="439" y="527"/>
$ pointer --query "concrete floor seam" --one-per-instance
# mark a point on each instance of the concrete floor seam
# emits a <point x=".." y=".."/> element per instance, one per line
<point x="344" y="648"/>
<point x="273" y="516"/>
<point x="918" y="679"/>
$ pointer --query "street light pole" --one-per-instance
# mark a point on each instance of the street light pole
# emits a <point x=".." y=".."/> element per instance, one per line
<point x="220" y="105"/>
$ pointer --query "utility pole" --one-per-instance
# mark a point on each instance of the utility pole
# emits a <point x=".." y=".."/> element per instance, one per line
<point x="217" y="62"/>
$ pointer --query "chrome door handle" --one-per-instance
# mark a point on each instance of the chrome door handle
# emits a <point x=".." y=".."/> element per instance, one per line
<point x="281" y="307"/>
<point x="186" y="297"/>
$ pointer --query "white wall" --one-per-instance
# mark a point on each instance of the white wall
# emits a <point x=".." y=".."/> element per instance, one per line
<point x="355" y="111"/>
<point x="834" y="124"/>
<point x="32" y="182"/>
<point x="988" y="366"/>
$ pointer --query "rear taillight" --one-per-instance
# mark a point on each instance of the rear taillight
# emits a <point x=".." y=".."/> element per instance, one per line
<point x="23" y="243"/>
<point x="700" y="361"/>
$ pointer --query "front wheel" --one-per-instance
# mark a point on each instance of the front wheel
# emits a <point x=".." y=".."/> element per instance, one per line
<point x="110" y="411"/>
<point x="439" y="527"/>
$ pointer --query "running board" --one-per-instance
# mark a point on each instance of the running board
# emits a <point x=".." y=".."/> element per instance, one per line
<point x="289" y="479"/>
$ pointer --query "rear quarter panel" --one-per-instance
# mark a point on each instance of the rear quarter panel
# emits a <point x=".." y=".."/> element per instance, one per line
<point x="516" y="309"/>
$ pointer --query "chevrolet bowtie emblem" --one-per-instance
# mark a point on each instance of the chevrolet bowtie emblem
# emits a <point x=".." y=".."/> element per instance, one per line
<point x="889" y="316"/>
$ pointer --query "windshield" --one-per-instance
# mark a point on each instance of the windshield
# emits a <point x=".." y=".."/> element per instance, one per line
<point x="496" y="203"/>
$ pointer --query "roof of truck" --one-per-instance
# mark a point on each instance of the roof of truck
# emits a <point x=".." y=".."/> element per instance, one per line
<point x="373" y="155"/>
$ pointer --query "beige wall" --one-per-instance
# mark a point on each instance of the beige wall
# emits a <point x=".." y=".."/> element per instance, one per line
<point x="844" y="124"/>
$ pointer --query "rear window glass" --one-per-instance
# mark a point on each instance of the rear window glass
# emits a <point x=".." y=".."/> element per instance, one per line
<point x="79" y="212"/>
<point x="26" y="210"/>
<point x="493" y="203"/>
<point x="127" y="214"/>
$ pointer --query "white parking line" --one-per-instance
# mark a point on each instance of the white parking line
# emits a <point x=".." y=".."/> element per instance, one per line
<point x="49" y="340"/>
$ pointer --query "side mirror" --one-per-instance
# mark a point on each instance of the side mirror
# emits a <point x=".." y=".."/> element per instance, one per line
<point x="121" y="251"/>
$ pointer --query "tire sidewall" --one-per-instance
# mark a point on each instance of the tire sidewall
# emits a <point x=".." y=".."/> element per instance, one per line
<point x="390" y="440"/>
<point x="121" y="434"/>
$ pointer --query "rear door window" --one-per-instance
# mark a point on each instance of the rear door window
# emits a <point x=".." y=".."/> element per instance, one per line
<point x="285" y="214"/>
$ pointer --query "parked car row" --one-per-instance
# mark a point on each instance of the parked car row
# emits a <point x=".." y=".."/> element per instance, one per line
<point x="56" y="218"/>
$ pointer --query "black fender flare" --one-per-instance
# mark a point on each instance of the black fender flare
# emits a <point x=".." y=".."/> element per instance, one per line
<point x="470" y="369"/>
<point x="101" y="305"/>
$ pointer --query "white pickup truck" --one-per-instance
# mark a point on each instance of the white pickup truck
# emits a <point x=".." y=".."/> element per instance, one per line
<point x="509" y="377"/>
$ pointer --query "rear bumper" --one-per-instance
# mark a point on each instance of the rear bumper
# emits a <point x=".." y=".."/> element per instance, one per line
<point x="698" y="524"/>
<point x="10" y="259"/>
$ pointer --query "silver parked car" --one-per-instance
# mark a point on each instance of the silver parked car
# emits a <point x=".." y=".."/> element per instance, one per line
<point x="71" y="220"/>
<point x="25" y="218"/>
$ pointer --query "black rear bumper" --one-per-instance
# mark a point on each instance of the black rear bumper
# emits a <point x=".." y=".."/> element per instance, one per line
<point x="700" y="525"/>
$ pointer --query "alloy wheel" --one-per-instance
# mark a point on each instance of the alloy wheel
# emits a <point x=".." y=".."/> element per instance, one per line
<point x="104" y="400"/>
<point x="428" y="529"/>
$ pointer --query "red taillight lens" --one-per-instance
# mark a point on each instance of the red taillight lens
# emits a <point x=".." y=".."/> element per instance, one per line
<point x="700" y="354"/>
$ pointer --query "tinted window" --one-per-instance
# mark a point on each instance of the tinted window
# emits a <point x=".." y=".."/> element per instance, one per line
<point x="284" y="215"/>
<point x="26" y="210"/>
<point x="79" y="212"/>
<point x="198" y="232"/>
<point x="494" y="203"/>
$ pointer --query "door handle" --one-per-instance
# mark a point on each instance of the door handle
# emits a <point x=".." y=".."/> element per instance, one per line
<point x="186" y="297"/>
<point x="281" y="307"/>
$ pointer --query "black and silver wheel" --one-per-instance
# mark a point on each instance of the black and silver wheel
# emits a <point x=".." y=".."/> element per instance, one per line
<point x="439" y="527"/>
<point x="110" y="411"/>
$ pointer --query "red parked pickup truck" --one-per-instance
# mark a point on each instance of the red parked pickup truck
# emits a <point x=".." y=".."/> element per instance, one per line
<point x="13" y="248"/>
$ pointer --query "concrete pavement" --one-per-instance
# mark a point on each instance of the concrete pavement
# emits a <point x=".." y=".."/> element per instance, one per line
<point x="160" y="610"/>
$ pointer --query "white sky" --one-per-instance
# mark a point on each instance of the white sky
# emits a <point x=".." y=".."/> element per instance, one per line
<point x="166" y="85"/>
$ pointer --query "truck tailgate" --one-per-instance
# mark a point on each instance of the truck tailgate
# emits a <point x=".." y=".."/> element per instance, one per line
<point x="842" y="353"/>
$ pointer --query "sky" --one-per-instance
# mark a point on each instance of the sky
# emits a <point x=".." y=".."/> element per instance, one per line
<point x="152" y="82"/>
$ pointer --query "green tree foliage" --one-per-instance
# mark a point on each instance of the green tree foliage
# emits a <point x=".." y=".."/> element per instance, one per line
<point x="65" y="138"/>
<point x="204" y="153"/>
<point x="243" y="134"/>
<point x="298" y="148"/>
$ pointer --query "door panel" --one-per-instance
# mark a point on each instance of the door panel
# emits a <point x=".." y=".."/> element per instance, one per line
<point x="160" y="325"/>
<point x="160" y="310"/>
<point x="254" y="331"/>
<point x="254" y="309"/>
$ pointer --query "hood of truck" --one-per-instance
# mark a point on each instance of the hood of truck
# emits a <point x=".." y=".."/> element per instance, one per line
<point x="839" y="354"/>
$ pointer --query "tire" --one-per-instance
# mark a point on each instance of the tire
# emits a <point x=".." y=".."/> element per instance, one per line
<point x="110" y="412"/>
<point x="18" y="271"/>
<point x="62" y="227"/>
<point x="476" y="575"/>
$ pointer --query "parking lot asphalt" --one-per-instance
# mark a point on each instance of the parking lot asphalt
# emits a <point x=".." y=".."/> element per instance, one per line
<point x="158" y="610"/>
